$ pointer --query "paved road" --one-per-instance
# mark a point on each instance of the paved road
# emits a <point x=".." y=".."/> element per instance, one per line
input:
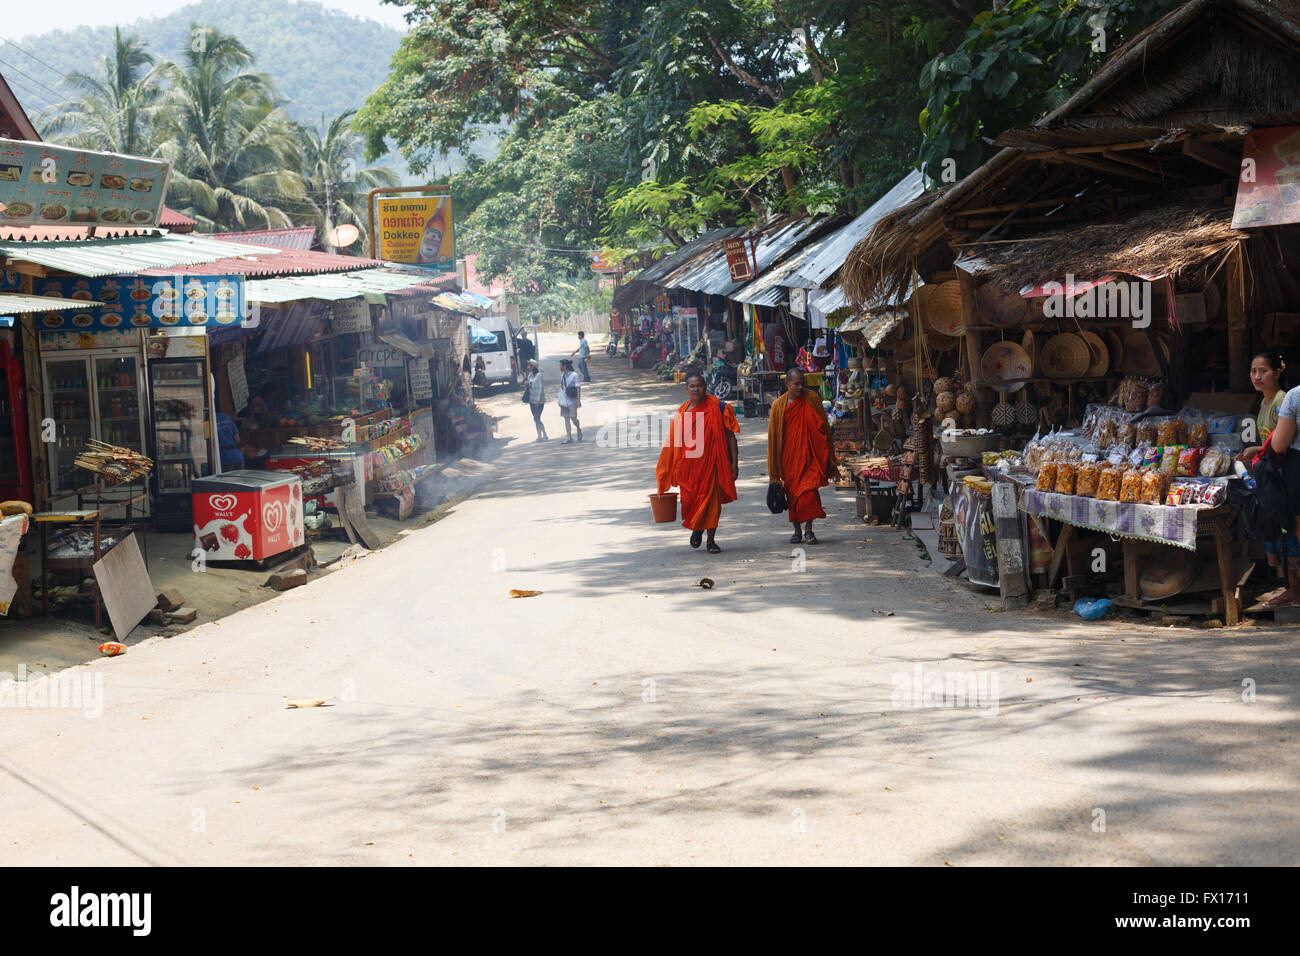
<point x="628" y="716"/>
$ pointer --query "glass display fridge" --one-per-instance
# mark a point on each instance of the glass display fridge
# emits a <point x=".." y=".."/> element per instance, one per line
<point x="91" y="394"/>
<point x="182" y="435"/>
<point x="15" y="467"/>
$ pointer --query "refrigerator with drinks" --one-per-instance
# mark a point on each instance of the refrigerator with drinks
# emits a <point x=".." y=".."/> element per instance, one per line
<point x="91" y="393"/>
<point x="181" y="440"/>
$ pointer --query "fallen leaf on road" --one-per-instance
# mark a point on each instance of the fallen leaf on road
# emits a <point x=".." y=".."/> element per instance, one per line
<point x="517" y="593"/>
<point x="876" y="610"/>
<point x="705" y="583"/>
<point x="293" y="702"/>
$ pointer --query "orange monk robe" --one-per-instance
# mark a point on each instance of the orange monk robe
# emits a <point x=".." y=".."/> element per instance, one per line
<point x="800" y="453"/>
<point x="695" y="458"/>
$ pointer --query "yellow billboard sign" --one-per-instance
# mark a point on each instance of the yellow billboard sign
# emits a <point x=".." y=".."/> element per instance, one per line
<point x="417" y="230"/>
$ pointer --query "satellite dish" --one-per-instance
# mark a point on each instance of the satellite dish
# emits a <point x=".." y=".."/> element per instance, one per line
<point x="343" y="236"/>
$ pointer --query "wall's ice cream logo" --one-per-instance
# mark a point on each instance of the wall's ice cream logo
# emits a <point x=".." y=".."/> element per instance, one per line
<point x="222" y="504"/>
<point x="273" y="516"/>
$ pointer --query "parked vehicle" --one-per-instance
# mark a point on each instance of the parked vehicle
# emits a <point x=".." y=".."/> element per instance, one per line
<point x="722" y="378"/>
<point x="492" y="340"/>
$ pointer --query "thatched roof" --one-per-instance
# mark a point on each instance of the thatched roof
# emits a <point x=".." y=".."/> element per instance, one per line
<point x="1165" y="240"/>
<point x="1207" y="64"/>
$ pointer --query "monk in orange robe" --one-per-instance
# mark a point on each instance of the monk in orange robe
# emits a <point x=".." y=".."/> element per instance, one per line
<point x="700" y="456"/>
<point x="800" y="453"/>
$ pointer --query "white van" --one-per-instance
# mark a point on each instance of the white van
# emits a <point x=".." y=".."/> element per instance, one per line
<point x="500" y="363"/>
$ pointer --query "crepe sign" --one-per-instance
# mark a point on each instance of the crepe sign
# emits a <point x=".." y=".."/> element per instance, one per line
<point x="49" y="185"/>
<point x="1268" y="189"/>
<point x="738" y="263"/>
<point x="417" y="231"/>
<point x="158" y="302"/>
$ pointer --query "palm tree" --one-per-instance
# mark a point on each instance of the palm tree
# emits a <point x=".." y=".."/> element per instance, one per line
<point x="115" y="109"/>
<point x="234" y="150"/>
<point x="336" y="189"/>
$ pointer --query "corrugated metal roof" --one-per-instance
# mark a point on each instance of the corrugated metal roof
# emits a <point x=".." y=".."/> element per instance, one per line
<point x="291" y="237"/>
<point x="832" y="253"/>
<point x="652" y="274"/>
<point x="374" y="284"/>
<point x="12" y="303"/>
<point x="711" y="275"/>
<point x="769" y="288"/>
<point x="264" y="260"/>
<point x="69" y="233"/>
<point x="131" y="254"/>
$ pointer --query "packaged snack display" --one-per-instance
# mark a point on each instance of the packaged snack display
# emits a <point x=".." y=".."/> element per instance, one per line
<point x="1046" y="477"/>
<point x="1169" y="460"/>
<point x="1155" y="394"/>
<point x="1105" y="434"/>
<point x="1085" y="485"/>
<point x="1216" y="462"/>
<point x="1125" y="434"/>
<point x="1130" y="486"/>
<point x="1196" y="493"/>
<point x="1108" y="484"/>
<point x="1172" y="431"/>
<point x="1034" y="454"/>
<point x="1066" y="474"/>
<point x="1189" y="462"/>
<point x="1198" y="434"/>
<point x="1151" y="457"/>
<point x="1154" y="484"/>
<point x="1147" y="433"/>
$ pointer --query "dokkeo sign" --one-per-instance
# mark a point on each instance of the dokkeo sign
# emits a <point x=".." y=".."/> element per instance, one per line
<point x="417" y="231"/>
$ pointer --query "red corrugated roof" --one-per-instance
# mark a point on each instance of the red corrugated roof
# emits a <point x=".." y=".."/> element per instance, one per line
<point x="287" y="262"/>
<point x="291" y="237"/>
<point x="176" y="221"/>
<point x="49" y="233"/>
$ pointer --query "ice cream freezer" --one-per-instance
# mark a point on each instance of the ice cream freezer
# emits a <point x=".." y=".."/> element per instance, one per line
<point x="247" y="515"/>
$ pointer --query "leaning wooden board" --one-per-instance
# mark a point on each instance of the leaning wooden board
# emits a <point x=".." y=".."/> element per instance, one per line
<point x="124" y="585"/>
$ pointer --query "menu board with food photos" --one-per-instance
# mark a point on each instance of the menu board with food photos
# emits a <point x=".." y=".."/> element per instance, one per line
<point x="47" y="185"/>
<point x="143" y="302"/>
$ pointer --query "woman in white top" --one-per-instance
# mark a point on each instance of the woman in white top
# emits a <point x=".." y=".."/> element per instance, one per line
<point x="570" y="399"/>
<point x="535" y="396"/>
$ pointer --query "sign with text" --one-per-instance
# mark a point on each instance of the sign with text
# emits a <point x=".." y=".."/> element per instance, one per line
<point x="144" y="302"/>
<point x="381" y="356"/>
<point x="350" y="315"/>
<point x="55" y="186"/>
<point x="417" y="371"/>
<point x="417" y="231"/>
<point x="738" y="262"/>
<point x="1268" y="189"/>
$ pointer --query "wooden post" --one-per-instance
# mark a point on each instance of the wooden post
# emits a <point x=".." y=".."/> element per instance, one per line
<point x="973" y="353"/>
<point x="1238" y="346"/>
<point x="1059" y="552"/>
<point x="1223" y="553"/>
<point x="1012" y="580"/>
<point x="1130" y="569"/>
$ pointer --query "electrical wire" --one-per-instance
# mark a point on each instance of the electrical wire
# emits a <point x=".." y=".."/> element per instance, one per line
<point x="44" y="101"/>
<point x="33" y="56"/>
<point x="58" y="96"/>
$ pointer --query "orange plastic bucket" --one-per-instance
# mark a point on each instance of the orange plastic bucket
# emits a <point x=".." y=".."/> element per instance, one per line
<point x="664" y="507"/>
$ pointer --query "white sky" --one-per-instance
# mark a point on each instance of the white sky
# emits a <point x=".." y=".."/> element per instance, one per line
<point x="23" y="19"/>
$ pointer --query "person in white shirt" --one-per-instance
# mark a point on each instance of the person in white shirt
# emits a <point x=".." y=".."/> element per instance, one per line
<point x="535" y="396"/>
<point x="583" y="351"/>
<point x="570" y="399"/>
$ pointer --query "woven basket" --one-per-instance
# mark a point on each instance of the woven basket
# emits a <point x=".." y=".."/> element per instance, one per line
<point x="1098" y="353"/>
<point x="1065" y="356"/>
<point x="999" y="308"/>
<point x="940" y="306"/>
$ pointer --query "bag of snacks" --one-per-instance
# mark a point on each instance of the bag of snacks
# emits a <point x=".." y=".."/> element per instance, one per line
<point x="1198" y="434"/>
<point x="1147" y="433"/>
<point x="1046" y="477"/>
<point x="1169" y="461"/>
<point x="1105" y="434"/>
<point x="1155" y="394"/>
<point x="1066" y="475"/>
<point x="1151" y="457"/>
<point x="1136" y="399"/>
<point x="1172" y="431"/>
<point x="1216" y="462"/>
<point x="1125" y="433"/>
<point x="1189" y="462"/>
<point x="1108" y="483"/>
<point x="1085" y="485"/>
<point x="1154" y="485"/>
<point x="1130" y="486"/>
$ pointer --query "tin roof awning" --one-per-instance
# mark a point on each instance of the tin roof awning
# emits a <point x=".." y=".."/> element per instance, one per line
<point x="373" y="284"/>
<point x="129" y="254"/>
<point x="14" y="303"/>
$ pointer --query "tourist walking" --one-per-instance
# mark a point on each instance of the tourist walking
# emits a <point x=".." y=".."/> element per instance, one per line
<point x="800" y="453"/>
<point x="570" y="399"/>
<point x="535" y="396"/>
<point x="701" y="457"/>
<point x="583" y="351"/>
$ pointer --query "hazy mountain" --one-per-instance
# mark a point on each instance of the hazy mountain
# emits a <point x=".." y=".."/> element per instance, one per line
<point x="324" y="61"/>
